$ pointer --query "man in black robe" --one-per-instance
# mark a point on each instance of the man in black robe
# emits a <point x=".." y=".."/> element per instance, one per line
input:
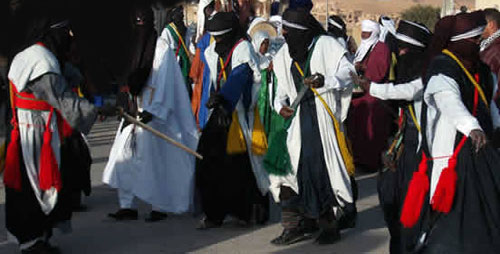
<point x="456" y="208"/>
<point x="39" y="174"/>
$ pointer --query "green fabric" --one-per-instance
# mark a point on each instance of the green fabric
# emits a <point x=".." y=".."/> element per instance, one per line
<point x="185" y="64"/>
<point x="270" y="119"/>
<point x="277" y="159"/>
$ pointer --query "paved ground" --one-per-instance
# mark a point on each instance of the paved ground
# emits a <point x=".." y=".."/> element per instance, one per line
<point x="93" y="232"/>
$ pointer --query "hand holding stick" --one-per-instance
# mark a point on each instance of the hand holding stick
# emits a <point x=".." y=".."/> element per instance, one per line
<point x="159" y="134"/>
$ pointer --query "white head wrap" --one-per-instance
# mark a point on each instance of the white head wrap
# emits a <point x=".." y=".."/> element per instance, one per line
<point x="257" y="40"/>
<point x="387" y="26"/>
<point x="367" y="44"/>
<point x="201" y="17"/>
<point x="277" y="21"/>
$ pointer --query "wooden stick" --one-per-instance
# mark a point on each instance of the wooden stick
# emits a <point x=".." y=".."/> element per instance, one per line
<point x="160" y="135"/>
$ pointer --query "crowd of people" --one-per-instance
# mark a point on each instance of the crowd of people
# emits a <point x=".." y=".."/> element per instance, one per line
<point x="279" y="110"/>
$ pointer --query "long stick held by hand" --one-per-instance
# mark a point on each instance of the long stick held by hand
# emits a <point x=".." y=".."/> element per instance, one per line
<point x="159" y="134"/>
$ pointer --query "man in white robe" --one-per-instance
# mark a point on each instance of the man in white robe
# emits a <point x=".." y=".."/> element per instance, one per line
<point x="315" y="185"/>
<point x="144" y="166"/>
<point x="179" y="38"/>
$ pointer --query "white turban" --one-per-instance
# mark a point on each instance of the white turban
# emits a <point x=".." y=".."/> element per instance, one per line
<point x="367" y="44"/>
<point x="387" y="26"/>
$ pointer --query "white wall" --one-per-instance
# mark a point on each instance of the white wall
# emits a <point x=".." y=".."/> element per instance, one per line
<point x="481" y="4"/>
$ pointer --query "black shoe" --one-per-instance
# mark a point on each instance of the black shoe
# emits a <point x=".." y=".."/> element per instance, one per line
<point x="290" y="236"/>
<point x="155" y="216"/>
<point x="205" y="223"/>
<point x="328" y="236"/>
<point x="124" y="214"/>
<point x="41" y="247"/>
<point x="261" y="214"/>
<point x="310" y="227"/>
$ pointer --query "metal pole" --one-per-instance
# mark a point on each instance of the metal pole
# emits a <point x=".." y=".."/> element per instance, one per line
<point x="326" y="19"/>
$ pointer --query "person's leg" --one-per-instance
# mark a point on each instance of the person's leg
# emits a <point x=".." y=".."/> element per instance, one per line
<point x="330" y="232"/>
<point x="291" y="219"/>
<point x="156" y="214"/>
<point x="128" y="210"/>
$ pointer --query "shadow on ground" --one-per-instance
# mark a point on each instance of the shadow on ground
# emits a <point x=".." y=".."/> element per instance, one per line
<point x="93" y="232"/>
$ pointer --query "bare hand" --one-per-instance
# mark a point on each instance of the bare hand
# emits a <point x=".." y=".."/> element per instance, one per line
<point x="360" y="67"/>
<point x="286" y="112"/>
<point x="315" y="81"/>
<point x="362" y="81"/>
<point x="270" y="67"/>
<point x="478" y="139"/>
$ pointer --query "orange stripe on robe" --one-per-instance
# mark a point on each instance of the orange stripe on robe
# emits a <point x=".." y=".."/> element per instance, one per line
<point x="196" y="74"/>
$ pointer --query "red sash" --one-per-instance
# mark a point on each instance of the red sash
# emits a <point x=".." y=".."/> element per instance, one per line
<point x="49" y="175"/>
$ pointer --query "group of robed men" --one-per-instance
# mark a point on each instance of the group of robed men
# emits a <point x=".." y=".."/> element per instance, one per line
<point x="446" y="118"/>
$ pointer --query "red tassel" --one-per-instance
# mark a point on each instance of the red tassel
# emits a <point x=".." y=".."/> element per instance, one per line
<point x="49" y="175"/>
<point x="12" y="173"/>
<point x="415" y="196"/>
<point x="445" y="189"/>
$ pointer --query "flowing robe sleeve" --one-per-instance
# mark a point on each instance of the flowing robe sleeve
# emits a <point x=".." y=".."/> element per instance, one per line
<point x="448" y="102"/>
<point x="78" y="112"/>
<point x="408" y="91"/>
<point x="238" y="83"/>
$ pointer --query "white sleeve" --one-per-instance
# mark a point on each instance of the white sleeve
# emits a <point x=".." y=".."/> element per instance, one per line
<point x="341" y="78"/>
<point x="443" y="93"/>
<point x="407" y="91"/>
<point x="281" y="99"/>
<point x="495" y="114"/>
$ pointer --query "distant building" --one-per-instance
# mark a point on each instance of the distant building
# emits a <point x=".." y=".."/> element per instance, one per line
<point x="482" y="4"/>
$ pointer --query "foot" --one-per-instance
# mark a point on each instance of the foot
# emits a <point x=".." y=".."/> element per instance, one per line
<point x="290" y="236"/>
<point x="41" y="247"/>
<point x="124" y="214"/>
<point x="328" y="236"/>
<point x="205" y="223"/>
<point x="52" y="249"/>
<point x="155" y="216"/>
<point x="261" y="214"/>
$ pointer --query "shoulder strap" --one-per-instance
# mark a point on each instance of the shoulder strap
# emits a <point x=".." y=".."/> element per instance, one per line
<point x="467" y="73"/>
<point x="228" y="58"/>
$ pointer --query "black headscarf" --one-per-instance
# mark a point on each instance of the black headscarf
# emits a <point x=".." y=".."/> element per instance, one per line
<point x="334" y="30"/>
<point x="144" y="43"/>
<point x="176" y="16"/>
<point x="299" y="40"/>
<point x="222" y="21"/>
<point x="411" y="64"/>
<point x="467" y="51"/>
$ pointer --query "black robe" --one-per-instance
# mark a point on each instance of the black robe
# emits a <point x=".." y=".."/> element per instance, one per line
<point x="473" y="224"/>
<point x="225" y="182"/>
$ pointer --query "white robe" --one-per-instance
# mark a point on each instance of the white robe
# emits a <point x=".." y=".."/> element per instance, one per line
<point x="172" y="43"/>
<point x="27" y="66"/>
<point x="242" y="54"/>
<point x="156" y="171"/>
<point x="447" y="115"/>
<point x="329" y="59"/>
